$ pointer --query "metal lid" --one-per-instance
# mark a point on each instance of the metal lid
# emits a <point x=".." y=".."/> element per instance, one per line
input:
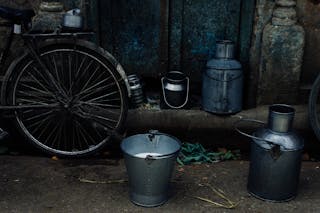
<point x="287" y="141"/>
<point x="224" y="49"/>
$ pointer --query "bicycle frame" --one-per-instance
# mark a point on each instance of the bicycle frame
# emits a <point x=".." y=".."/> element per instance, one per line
<point x="31" y="40"/>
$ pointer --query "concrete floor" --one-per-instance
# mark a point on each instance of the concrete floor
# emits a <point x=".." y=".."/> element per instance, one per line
<point x="38" y="184"/>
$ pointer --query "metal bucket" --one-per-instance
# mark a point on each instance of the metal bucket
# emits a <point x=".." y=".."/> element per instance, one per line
<point x="150" y="160"/>
<point x="275" y="158"/>
<point x="175" y="90"/>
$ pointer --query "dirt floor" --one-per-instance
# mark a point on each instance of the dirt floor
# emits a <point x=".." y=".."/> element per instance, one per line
<point x="39" y="184"/>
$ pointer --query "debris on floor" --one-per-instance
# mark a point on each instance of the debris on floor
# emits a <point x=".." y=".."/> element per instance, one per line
<point x="227" y="204"/>
<point x="196" y="153"/>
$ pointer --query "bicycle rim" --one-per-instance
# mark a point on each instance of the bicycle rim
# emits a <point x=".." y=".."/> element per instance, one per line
<point x="314" y="107"/>
<point x="91" y="107"/>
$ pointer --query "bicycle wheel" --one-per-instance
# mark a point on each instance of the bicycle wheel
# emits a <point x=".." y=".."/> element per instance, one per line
<point x="87" y="95"/>
<point x="314" y="107"/>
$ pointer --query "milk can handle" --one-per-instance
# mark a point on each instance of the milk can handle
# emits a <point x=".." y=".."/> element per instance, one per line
<point x="165" y="99"/>
<point x="249" y="135"/>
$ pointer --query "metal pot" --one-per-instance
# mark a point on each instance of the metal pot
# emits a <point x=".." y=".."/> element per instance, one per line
<point x="275" y="158"/>
<point x="73" y="19"/>
<point x="175" y="90"/>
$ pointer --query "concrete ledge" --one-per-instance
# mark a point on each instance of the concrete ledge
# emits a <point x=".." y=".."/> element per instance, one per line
<point x="200" y="120"/>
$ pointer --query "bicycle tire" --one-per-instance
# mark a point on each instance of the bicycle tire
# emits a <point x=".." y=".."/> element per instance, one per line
<point x="89" y="118"/>
<point x="313" y="111"/>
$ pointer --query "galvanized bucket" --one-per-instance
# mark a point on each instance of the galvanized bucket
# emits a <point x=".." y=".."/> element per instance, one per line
<point x="150" y="160"/>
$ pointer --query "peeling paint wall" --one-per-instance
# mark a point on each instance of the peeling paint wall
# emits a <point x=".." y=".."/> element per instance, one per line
<point x="309" y="18"/>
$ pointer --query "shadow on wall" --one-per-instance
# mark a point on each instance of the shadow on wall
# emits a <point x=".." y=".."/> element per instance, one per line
<point x="315" y="1"/>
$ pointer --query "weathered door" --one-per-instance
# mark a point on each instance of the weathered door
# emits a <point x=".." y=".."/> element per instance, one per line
<point x="150" y="37"/>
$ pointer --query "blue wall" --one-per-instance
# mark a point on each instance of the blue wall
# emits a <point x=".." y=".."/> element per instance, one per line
<point x="150" y="37"/>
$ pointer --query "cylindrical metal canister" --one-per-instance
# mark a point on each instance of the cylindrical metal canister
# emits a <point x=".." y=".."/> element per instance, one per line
<point x="137" y="96"/>
<point x="222" y="81"/>
<point x="175" y="90"/>
<point x="275" y="158"/>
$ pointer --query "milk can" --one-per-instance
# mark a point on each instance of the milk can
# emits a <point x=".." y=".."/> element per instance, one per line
<point x="175" y="90"/>
<point x="275" y="159"/>
<point x="222" y="81"/>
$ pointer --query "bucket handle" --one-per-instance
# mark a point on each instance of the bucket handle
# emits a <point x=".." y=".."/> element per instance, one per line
<point x="165" y="98"/>
<point x="250" y="135"/>
<point x="157" y="157"/>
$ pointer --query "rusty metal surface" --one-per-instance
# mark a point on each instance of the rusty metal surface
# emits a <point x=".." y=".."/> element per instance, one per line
<point x="151" y="37"/>
<point x="309" y="17"/>
<point x="203" y="23"/>
<point x="131" y="30"/>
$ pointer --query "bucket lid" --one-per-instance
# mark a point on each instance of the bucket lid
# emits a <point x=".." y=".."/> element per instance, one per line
<point x="152" y="143"/>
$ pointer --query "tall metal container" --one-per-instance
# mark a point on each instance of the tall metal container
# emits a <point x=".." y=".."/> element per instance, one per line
<point x="275" y="159"/>
<point x="222" y="81"/>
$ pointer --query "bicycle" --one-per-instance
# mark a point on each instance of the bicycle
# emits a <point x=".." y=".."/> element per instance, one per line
<point x="313" y="107"/>
<point x="68" y="96"/>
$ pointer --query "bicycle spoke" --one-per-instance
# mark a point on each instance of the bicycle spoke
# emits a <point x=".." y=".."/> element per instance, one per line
<point x="35" y="96"/>
<point x="95" y="85"/>
<point x="43" y="129"/>
<point x="55" y="68"/>
<point x="40" y="122"/>
<point x="46" y="80"/>
<point x="35" y="89"/>
<point x="51" y="133"/>
<point x="83" y="136"/>
<point x="70" y="72"/>
<point x="87" y="133"/>
<point x="94" y="91"/>
<point x="78" y="136"/>
<point x="101" y="105"/>
<point x="38" y="115"/>
<point x="89" y="80"/>
<point x="103" y="96"/>
<point x="83" y="72"/>
<point x="31" y="101"/>
<point x="32" y="76"/>
<point x="57" y="135"/>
